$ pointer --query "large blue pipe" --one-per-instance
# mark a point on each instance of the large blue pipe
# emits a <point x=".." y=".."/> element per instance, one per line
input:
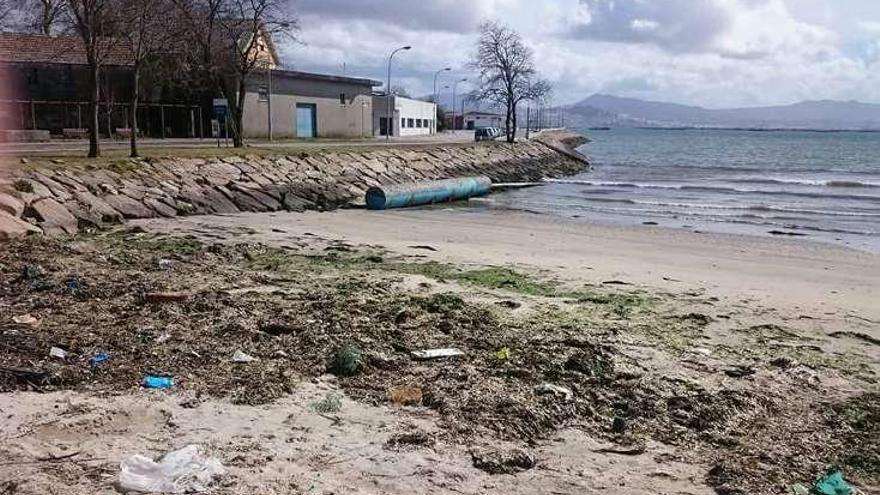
<point x="425" y="193"/>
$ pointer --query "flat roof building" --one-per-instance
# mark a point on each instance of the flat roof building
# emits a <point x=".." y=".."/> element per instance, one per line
<point x="474" y="120"/>
<point x="409" y="117"/>
<point x="306" y="105"/>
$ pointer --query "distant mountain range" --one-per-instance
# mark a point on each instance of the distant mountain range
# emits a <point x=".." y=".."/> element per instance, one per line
<point x="612" y="111"/>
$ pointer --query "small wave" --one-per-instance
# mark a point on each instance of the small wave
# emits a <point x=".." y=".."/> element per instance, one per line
<point x="723" y="189"/>
<point x="809" y="182"/>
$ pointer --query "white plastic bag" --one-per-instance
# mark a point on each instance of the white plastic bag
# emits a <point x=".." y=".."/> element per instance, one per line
<point x="186" y="470"/>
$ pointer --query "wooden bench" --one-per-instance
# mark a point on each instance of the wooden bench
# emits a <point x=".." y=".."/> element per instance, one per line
<point x="74" y="133"/>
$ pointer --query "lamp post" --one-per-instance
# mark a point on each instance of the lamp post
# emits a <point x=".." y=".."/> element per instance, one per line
<point x="445" y="69"/>
<point x="269" y="99"/>
<point x="454" y="88"/>
<point x="389" y="128"/>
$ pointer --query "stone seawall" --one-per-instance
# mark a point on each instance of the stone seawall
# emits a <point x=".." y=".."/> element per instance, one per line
<point x="63" y="199"/>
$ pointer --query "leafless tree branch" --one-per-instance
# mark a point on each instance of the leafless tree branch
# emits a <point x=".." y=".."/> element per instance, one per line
<point x="507" y="74"/>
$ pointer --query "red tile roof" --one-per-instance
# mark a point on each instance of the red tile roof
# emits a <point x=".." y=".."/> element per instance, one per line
<point x="38" y="48"/>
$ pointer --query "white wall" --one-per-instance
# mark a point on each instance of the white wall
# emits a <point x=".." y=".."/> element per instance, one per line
<point x="408" y="111"/>
<point x="484" y="120"/>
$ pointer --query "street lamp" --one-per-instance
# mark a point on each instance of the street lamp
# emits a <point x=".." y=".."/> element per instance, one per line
<point x="445" y="69"/>
<point x="454" y="88"/>
<point x="390" y="117"/>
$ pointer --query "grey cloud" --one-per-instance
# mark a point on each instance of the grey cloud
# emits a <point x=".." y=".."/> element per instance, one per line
<point x="676" y="25"/>
<point x="432" y="15"/>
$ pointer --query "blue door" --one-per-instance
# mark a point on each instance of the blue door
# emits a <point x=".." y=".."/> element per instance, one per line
<point x="306" y="120"/>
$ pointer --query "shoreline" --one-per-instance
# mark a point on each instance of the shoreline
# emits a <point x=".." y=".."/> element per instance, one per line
<point x="854" y="242"/>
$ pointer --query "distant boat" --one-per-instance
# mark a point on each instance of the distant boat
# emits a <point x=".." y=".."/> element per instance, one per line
<point x="599" y="129"/>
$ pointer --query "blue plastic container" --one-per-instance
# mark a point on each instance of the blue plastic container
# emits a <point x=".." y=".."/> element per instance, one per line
<point x="158" y="382"/>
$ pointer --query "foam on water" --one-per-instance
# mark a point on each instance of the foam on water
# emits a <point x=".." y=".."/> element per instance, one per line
<point x="824" y="185"/>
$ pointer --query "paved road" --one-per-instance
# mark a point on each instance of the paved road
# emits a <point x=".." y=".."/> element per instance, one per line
<point x="77" y="146"/>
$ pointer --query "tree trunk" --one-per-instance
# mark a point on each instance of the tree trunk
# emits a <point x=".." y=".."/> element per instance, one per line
<point x="238" y="139"/>
<point x="132" y="119"/>
<point x="513" y="134"/>
<point x="508" y="124"/>
<point x="47" y="18"/>
<point x="94" y="89"/>
<point x="234" y="92"/>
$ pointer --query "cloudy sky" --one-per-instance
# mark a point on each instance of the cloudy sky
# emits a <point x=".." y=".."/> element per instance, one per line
<point x="715" y="53"/>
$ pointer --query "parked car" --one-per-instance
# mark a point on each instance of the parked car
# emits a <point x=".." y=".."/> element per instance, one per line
<point x="486" y="133"/>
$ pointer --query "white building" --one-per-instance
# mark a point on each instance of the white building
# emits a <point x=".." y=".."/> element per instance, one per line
<point x="410" y="117"/>
<point x="475" y="120"/>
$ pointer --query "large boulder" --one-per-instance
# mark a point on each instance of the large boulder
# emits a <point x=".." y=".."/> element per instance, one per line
<point x="97" y="207"/>
<point x="52" y="217"/>
<point x="11" y="226"/>
<point x="129" y="207"/>
<point x="11" y="205"/>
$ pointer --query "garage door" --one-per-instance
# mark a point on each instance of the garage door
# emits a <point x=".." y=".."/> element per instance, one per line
<point x="306" y="120"/>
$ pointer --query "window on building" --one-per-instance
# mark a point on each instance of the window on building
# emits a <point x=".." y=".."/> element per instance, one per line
<point x="418" y="123"/>
<point x="403" y="123"/>
<point x="410" y="123"/>
<point x="342" y="99"/>
<point x="263" y="93"/>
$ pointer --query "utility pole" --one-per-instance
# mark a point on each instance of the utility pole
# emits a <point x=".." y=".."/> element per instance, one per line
<point x="528" y="121"/>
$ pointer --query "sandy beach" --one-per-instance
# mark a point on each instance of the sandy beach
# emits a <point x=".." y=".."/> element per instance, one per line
<point x="795" y="277"/>
<point x="723" y="361"/>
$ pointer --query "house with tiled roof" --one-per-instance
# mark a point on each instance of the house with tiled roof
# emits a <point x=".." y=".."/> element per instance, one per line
<point x="46" y="89"/>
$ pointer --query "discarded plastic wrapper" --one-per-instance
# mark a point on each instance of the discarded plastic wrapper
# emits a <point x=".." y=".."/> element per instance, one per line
<point x="99" y="359"/>
<point x="832" y="484"/>
<point x="25" y="320"/>
<point x="549" y="388"/>
<point x="57" y="352"/>
<point x="158" y="382"/>
<point x="186" y="470"/>
<point x="503" y="354"/>
<point x="166" y="264"/>
<point x="241" y="357"/>
<point x="437" y="353"/>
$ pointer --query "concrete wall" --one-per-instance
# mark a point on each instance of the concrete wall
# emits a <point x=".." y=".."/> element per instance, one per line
<point x="409" y="110"/>
<point x="352" y="120"/>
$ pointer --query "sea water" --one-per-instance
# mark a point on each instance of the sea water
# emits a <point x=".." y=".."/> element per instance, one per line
<point x="816" y="185"/>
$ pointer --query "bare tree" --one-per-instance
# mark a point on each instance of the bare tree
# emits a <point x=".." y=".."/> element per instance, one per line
<point x="93" y="21"/>
<point x="50" y="13"/>
<point x="144" y="28"/>
<point x="7" y="11"/>
<point x="40" y="16"/>
<point x="399" y="90"/>
<point x="507" y="72"/>
<point x="233" y="40"/>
